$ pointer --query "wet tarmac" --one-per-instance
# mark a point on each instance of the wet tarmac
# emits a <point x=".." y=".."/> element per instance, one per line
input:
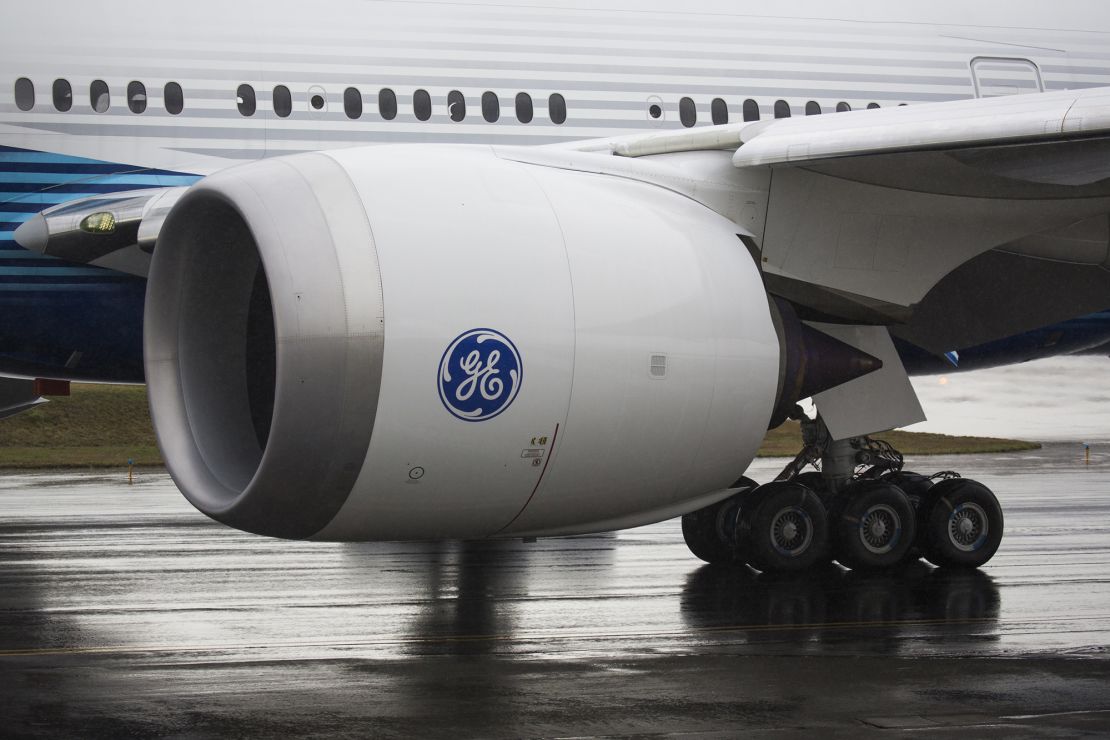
<point x="123" y="612"/>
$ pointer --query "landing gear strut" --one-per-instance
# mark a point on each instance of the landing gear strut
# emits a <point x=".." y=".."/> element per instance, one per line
<point x="857" y="506"/>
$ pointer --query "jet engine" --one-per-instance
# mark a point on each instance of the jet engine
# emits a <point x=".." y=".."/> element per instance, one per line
<point x="436" y="342"/>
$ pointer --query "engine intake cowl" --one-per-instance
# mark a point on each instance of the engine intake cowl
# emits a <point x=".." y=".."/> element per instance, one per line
<point x="263" y="344"/>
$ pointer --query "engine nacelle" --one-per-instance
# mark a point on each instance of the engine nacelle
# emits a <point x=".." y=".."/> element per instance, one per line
<point x="434" y="342"/>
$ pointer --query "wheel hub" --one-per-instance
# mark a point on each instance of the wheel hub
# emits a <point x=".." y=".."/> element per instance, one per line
<point x="968" y="527"/>
<point x="791" y="531"/>
<point x="880" y="529"/>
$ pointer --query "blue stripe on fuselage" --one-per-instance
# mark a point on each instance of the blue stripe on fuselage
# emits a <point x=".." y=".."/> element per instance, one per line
<point x="53" y="311"/>
<point x="1077" y="336"/>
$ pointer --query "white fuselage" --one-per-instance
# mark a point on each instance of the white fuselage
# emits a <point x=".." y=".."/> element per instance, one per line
<point x="611" y="65"/>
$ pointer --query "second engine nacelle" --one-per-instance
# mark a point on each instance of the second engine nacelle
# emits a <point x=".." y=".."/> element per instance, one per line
<point x="434" y="342"/>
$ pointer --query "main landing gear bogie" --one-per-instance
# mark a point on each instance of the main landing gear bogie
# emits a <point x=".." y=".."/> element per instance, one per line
<point x="860" y="509"/>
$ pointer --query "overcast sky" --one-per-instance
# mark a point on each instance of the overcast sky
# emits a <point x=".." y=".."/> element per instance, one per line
<point x="1060" y="398"/>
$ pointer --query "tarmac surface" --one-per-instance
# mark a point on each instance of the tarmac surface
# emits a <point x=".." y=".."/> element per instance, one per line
<point x="125" y="613"/>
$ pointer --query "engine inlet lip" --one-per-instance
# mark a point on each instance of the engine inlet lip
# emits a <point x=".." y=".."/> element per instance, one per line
<point x="328" y="346"/>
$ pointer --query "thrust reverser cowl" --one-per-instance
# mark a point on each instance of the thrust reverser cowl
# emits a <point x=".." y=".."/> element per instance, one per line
<point x="433" y="342"/>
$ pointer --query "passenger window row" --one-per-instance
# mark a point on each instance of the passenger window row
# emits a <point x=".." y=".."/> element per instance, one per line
<point x="247" y="101"/>
<point x="173" y="98"/>
<point x="718" y="109"/>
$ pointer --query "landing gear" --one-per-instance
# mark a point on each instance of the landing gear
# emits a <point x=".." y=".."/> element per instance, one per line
<point x="858" y="507"/>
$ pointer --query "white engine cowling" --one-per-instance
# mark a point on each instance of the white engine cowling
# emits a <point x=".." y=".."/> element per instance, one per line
<point x="434" y="342"/>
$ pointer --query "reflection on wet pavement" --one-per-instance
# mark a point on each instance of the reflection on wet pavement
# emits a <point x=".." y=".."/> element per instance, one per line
<point x="832" y="604"/>
<point x="123" y="610"/>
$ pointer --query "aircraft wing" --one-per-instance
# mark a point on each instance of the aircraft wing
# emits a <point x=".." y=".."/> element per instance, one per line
<point x="958" y="222"/>
<point x="1027" y="126"/>
<point x="949" y="225"/>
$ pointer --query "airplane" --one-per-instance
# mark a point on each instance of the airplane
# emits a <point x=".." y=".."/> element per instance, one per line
<point x="431" y="270"/>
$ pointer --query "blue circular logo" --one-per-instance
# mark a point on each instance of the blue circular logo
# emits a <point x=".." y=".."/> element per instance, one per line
<point x="479" y="375"/>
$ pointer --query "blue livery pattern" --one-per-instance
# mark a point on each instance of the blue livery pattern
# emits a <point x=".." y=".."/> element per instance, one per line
<point x="62" y="319"/>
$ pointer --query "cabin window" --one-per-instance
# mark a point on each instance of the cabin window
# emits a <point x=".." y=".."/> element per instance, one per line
<point x="782" y="109"/>
<point x="422" y="105"/>
<point x="843" y="108"/>
<point x="99" y="97"/>
<point x="283" y="101"/>
<point x="751" y="110"/>
<point x="719" y="111"/>
<point x="387" y="104"/>
<point x="246" y="100"/>
<point x="813" y="108"/>
<point x="136" y="97"/>
<point x="456" y="106"/>
<point x="174" y="98"/>
<point x="687" y="112"/>
<point x="872" y="106"/>
<point x="557" y="108"/>
<point x="655" y="110"/>
<point x="524" y="111"/>
<point x="24" y="94"/>
<point x="352" y="103"/>
<point x="491" y="107"/>
<point x="63" y="95"/>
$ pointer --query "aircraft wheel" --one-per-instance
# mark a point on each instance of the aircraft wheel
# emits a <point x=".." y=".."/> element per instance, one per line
<point x="783" y="528"/>
<point x="710" y="533"/>
<point x="874" y="526"/>
<point x="963" y="522"/>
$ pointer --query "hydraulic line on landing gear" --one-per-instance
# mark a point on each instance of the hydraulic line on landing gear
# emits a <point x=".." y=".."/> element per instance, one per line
<point x="839" y="461"/>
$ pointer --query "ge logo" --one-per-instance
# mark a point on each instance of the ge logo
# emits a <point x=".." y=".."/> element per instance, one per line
<point x="479" y="375"/>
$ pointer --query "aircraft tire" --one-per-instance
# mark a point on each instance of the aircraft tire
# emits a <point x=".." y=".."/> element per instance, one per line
<point x="963" y="524"/>
<point x="710" y="533"/>
<point x="874" y="526"/>
<point x="783" y="528"/>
